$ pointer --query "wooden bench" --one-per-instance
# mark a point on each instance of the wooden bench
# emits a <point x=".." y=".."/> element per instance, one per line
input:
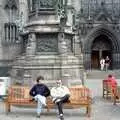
<point x="19" y="95"/>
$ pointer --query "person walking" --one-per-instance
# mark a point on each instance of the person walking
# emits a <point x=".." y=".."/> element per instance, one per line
<point x="102" y="63"/>
<point x="107" y="63"/>
<point x="39" y="92"/>
<point x="60" y="95"/>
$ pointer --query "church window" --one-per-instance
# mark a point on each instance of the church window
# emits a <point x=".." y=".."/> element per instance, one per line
<point x="10" y="27"/>
<point x="10" y="30"/>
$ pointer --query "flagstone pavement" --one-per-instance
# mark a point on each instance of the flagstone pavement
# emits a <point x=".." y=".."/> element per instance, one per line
<point x="101" y="109"/>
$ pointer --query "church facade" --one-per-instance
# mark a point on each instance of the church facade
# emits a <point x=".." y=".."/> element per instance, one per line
<point x="98" y="28"/>
<point x="57" y="38"/>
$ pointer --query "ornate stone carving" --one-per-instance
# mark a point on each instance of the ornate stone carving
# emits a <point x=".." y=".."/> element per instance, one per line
<point x="47" y="3"/>
<point x="61" y="8"/>
<point x="100" y="45"/>
<point x="20" y="22"/>
<point x="10" y="4"/>
<point x="43" y="3"/>
<point x="39" y="5"/>
<point x="47" y="43"/>
<point x="96" y="9"/>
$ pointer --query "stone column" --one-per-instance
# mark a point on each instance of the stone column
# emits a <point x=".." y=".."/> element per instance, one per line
<point x="87" y="60"/>
<point x="7" y="34"/>
<point x="63" y="52"/>
<point x="77" y="45"/>
<point x="31" y="45"/>
<point x="100" y="54"/>
<point x="69" y="13"/>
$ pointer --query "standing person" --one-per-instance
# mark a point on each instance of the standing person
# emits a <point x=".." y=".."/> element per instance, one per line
<point x="107" y="63"/>
<point x="102" y="63"/>
<point x="60" y="95"/>
<point x="39" y="92"/>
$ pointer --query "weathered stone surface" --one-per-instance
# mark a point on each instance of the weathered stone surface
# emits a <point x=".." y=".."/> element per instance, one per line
<point x="57" y="42"/>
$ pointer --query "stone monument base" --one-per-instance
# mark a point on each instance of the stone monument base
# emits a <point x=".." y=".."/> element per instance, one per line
<point x="52" y="67"/>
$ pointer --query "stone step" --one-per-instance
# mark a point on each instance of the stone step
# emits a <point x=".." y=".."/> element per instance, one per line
<point x="97" y="74"/>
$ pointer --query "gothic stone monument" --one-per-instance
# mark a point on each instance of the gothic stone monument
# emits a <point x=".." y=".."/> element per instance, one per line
<point x="47" y="47"/>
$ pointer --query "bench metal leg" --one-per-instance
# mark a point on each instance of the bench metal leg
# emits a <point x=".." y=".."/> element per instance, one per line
<point x="7" y="108"/>
<point x="88" y="110"/>
<point x="48" y="108"/>
<point x="114" y="100"/>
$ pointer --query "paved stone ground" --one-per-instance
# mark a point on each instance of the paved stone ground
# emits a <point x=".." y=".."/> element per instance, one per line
<point x="101" y="109"/>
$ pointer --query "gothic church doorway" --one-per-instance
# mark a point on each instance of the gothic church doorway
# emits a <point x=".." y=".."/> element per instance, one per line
<point x="101" y="47"/>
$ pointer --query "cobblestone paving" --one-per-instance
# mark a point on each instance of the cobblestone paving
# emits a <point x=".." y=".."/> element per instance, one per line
<point x="101" y="109"/>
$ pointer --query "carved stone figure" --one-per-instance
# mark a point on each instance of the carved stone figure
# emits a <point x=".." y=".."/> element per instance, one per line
<point x="31" y="45"/>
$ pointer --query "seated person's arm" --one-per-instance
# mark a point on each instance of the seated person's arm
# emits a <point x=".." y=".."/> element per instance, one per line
<point x="32" y="92"/>
<point x="53" y="92"/>
<point x="47" y="91"/>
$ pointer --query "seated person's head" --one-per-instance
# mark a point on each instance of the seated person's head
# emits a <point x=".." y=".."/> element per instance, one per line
<point x="39" y="78"/>
<point x="59" y="82"/>
<point x="110" y="76"/>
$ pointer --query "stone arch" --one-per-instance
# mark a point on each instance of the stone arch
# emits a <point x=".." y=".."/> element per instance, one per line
<point x="113" y="40"/>
<point x="104" y="31"/>
<point x="11" y="4"/>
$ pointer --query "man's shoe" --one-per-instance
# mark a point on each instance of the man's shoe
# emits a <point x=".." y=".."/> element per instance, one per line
<point x="38" y="115"/>
<point x="44" y="104"/>
<point x="61" y="117"/>
<point x="117" y="97"/>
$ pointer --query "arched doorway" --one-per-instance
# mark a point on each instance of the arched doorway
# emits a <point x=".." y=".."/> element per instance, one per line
<point x="101" y="41"/>
<point x="101" y="47"/>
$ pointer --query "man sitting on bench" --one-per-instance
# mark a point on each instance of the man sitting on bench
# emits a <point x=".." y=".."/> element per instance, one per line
<point x="60" y="95"/>
<point x="39" y="92"/>
<point x="113" y="82"/>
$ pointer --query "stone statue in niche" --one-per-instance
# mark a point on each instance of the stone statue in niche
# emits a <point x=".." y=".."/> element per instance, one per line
<point x="30" y="37"/>
<point x="62" y="44"/>
<point x="82" y="29"/>
<point x="30" y="44"/>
